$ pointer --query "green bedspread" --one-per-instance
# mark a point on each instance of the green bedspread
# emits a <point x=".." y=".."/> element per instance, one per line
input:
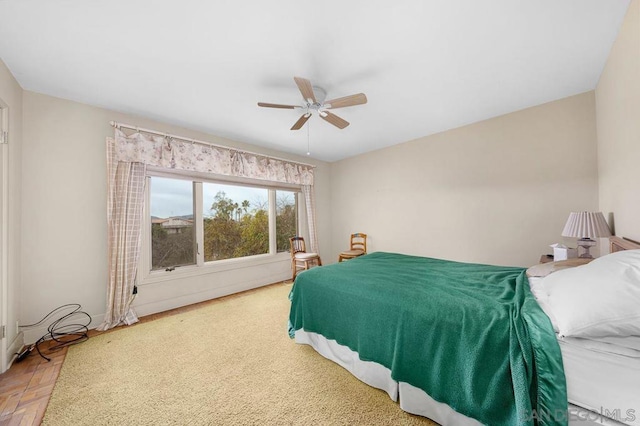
<point x="471" y="336"/>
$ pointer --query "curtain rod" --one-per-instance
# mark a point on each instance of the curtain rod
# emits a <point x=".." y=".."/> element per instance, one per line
<point x="168" y="135"/>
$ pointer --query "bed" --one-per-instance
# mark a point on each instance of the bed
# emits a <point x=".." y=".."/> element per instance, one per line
<point x="461" y="344"/>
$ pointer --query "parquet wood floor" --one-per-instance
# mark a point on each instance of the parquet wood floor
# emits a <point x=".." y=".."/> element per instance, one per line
<point x="26" y="387"/>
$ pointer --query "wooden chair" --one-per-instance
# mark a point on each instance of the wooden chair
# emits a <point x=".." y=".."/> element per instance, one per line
<point x="300" y="259"/>
<point x="358" y="247"/>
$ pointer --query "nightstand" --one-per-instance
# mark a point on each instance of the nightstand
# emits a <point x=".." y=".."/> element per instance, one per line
<point x="546" y="258"/>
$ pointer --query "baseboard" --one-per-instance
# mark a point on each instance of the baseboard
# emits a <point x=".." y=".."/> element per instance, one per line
<point x="14" y="348"/>
<point x="31" y="335"/>
<point x="190" y="299"/>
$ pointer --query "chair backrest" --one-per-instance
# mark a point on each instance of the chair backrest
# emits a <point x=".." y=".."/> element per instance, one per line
<point x="297" y="245"/>
<point x="359" y="241"/>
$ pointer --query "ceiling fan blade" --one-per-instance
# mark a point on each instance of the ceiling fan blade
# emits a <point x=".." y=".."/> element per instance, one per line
<point x="264" y="104"/>
<point x="334" y="119"/>
<point x="347" y="101"/>
<point x="303" y="119"/>
<point x="305" y="88"/>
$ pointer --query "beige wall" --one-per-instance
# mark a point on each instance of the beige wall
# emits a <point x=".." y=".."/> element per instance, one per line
<point x="11" y="95"/>
<point x="498" y="191"/>
<point x="618" y="122"/>
<point x="64" y="205"/>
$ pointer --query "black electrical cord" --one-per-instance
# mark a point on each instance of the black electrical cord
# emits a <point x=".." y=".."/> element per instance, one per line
<point x="62" y="333"/>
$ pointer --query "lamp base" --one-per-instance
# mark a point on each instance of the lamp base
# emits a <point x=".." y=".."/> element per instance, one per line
<point x="586" y="244"/>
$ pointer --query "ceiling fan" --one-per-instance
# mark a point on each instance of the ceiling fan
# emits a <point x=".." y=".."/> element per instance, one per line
<point x="314" y="102"/>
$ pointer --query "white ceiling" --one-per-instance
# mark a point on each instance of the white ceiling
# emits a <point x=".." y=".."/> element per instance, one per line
<point x="425" y="66"/>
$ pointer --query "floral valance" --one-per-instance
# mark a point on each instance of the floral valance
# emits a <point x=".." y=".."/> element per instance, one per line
<point x="160" y="151"/>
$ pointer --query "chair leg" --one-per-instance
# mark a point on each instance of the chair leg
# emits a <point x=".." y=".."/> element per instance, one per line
<point x="293" y="270"/>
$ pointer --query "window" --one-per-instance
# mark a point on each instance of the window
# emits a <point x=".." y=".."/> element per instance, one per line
<point x="227" y="221"/>
<point x="236" y="221"/>
<point x="172" y="238"/>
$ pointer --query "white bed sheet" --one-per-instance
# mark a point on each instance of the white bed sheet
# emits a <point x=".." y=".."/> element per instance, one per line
<point x="602" y="381"/>
<point x="631" y="342"/>
<point x="624" y="346"/>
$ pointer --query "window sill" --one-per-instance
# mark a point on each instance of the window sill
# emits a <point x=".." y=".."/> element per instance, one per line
<point x="214" y="267"/>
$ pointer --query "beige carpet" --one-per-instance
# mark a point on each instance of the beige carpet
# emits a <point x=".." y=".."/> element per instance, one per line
<point x="230" y="362"/>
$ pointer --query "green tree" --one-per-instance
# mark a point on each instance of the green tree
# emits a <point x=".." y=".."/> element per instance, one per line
<point x="286" y="220"/>
<point x="221" y="237"/>
<point x="223" y="207"/>
<point x="223" y="233"/>
<point x="255" y="234"/>
<point x="174" y="249"/>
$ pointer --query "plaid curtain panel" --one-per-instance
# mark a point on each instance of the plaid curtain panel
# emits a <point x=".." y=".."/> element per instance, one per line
<point x="310" y="204"/>
<point x="125" y="202"/>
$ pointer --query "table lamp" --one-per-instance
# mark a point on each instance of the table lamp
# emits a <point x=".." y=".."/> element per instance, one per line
<point x="585" y="226"/>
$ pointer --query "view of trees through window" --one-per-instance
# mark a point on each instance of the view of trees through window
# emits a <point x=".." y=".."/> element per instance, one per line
<point x="235" y="227"/>
<point x="235" y="221"/>
<point x="172" y="234"/>
<point x="286" y="219"/>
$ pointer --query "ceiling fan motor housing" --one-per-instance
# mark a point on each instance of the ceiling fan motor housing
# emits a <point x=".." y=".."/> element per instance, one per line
<point x="321" y="95"/>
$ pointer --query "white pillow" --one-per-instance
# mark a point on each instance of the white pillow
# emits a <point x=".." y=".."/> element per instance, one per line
<point x="599" y="299"/>
<point x="540" y="293"/>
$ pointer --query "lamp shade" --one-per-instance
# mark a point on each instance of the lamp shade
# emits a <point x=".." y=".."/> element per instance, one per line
<point x="586" y="225"/>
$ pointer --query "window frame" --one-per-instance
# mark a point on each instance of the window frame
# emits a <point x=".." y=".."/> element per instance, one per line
<point x="148" y="276"/>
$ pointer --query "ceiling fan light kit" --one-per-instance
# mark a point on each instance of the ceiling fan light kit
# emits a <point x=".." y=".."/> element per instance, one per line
<point x="314" y="103"/>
